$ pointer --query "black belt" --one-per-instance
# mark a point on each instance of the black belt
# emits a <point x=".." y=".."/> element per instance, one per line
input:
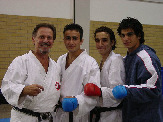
<point x="59" y="105"/>
<point x="97" y="111"/>
<point x="70" y="116"/>
<point x="40" y="116"/>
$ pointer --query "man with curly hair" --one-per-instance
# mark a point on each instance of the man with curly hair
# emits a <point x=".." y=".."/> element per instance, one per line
<point x="142" y="90"/>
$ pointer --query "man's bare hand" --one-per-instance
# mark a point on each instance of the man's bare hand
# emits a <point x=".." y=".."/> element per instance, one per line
<point x="70" y="97"/>
<point x="32" y="90"/>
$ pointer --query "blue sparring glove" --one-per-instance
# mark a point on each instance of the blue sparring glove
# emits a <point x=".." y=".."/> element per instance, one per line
<point x="69" y="104"/>
<point x="119" y="92"/>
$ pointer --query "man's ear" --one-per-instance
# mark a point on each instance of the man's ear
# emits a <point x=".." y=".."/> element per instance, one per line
<point x="33" y="40"/>
<point x="112" y="42"/>
<point x="81" y="41"/>
<point x="139" y="36"/>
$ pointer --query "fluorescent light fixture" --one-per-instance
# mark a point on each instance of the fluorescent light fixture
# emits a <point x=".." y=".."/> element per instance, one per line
<point x="154" y="1"/>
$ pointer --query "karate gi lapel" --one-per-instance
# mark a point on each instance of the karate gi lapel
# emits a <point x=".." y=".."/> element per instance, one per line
<point x="74" y="64"/>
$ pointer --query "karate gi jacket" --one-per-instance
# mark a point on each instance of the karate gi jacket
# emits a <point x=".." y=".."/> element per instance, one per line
<point x="84" y="69"/>
<point x="27" y="70"/>
<point x="112" y="74"/>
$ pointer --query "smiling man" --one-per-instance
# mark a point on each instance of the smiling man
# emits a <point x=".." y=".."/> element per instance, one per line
<point x="142" y="90"/>
<point x="77" y="69"/>
<point x="32" y="83"/>
<point x="112" y="74"/>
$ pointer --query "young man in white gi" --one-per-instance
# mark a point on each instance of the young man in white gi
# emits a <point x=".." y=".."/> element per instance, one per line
<point x="32" y="83"/>
<point x="77" y="69"/>
<point x="112" y="74"/>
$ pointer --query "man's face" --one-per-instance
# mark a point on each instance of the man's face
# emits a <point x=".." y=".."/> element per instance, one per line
<point x="129" y="39"/>
<point x="103" y="43"/>
<point x="43" y="41"/>
<point x="72" y="40"/>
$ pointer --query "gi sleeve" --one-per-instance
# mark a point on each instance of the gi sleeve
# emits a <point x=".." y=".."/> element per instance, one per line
<point x="13" y="81"/>
<point x="86" y="104"/>
<point x="116" y="76"/>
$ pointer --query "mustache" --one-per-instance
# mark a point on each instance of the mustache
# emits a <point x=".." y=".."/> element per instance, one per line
<point x="47" y="44"/>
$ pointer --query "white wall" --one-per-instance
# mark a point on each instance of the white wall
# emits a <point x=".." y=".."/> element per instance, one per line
<point x="116" y="10"/>
<point x="99" y="10"/>
<point x="42" y="8"/>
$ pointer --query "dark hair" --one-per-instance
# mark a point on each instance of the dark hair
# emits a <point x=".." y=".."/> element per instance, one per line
<point x="35" y="30"/>
<point x="134" y="24"/>
<point x="108" y="31"/>
<point x="74" y="26"/>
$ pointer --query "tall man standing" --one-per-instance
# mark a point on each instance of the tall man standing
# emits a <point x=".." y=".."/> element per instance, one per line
<point x="112" y="74"/>
<point x="77" y="69"/>
<point x="32" y="83"/>
<point x="142" y="90"/>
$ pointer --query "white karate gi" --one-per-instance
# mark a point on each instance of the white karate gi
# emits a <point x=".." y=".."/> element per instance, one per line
<point x="84" y="69"/>
<point x="112" y="74"/>
<point x="27" y="70"/>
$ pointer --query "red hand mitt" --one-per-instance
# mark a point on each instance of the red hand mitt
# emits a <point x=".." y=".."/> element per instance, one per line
<point x="91" y="89"/>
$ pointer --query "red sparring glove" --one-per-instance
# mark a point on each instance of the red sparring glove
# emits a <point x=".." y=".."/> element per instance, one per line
<point x="91" y="89"/>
